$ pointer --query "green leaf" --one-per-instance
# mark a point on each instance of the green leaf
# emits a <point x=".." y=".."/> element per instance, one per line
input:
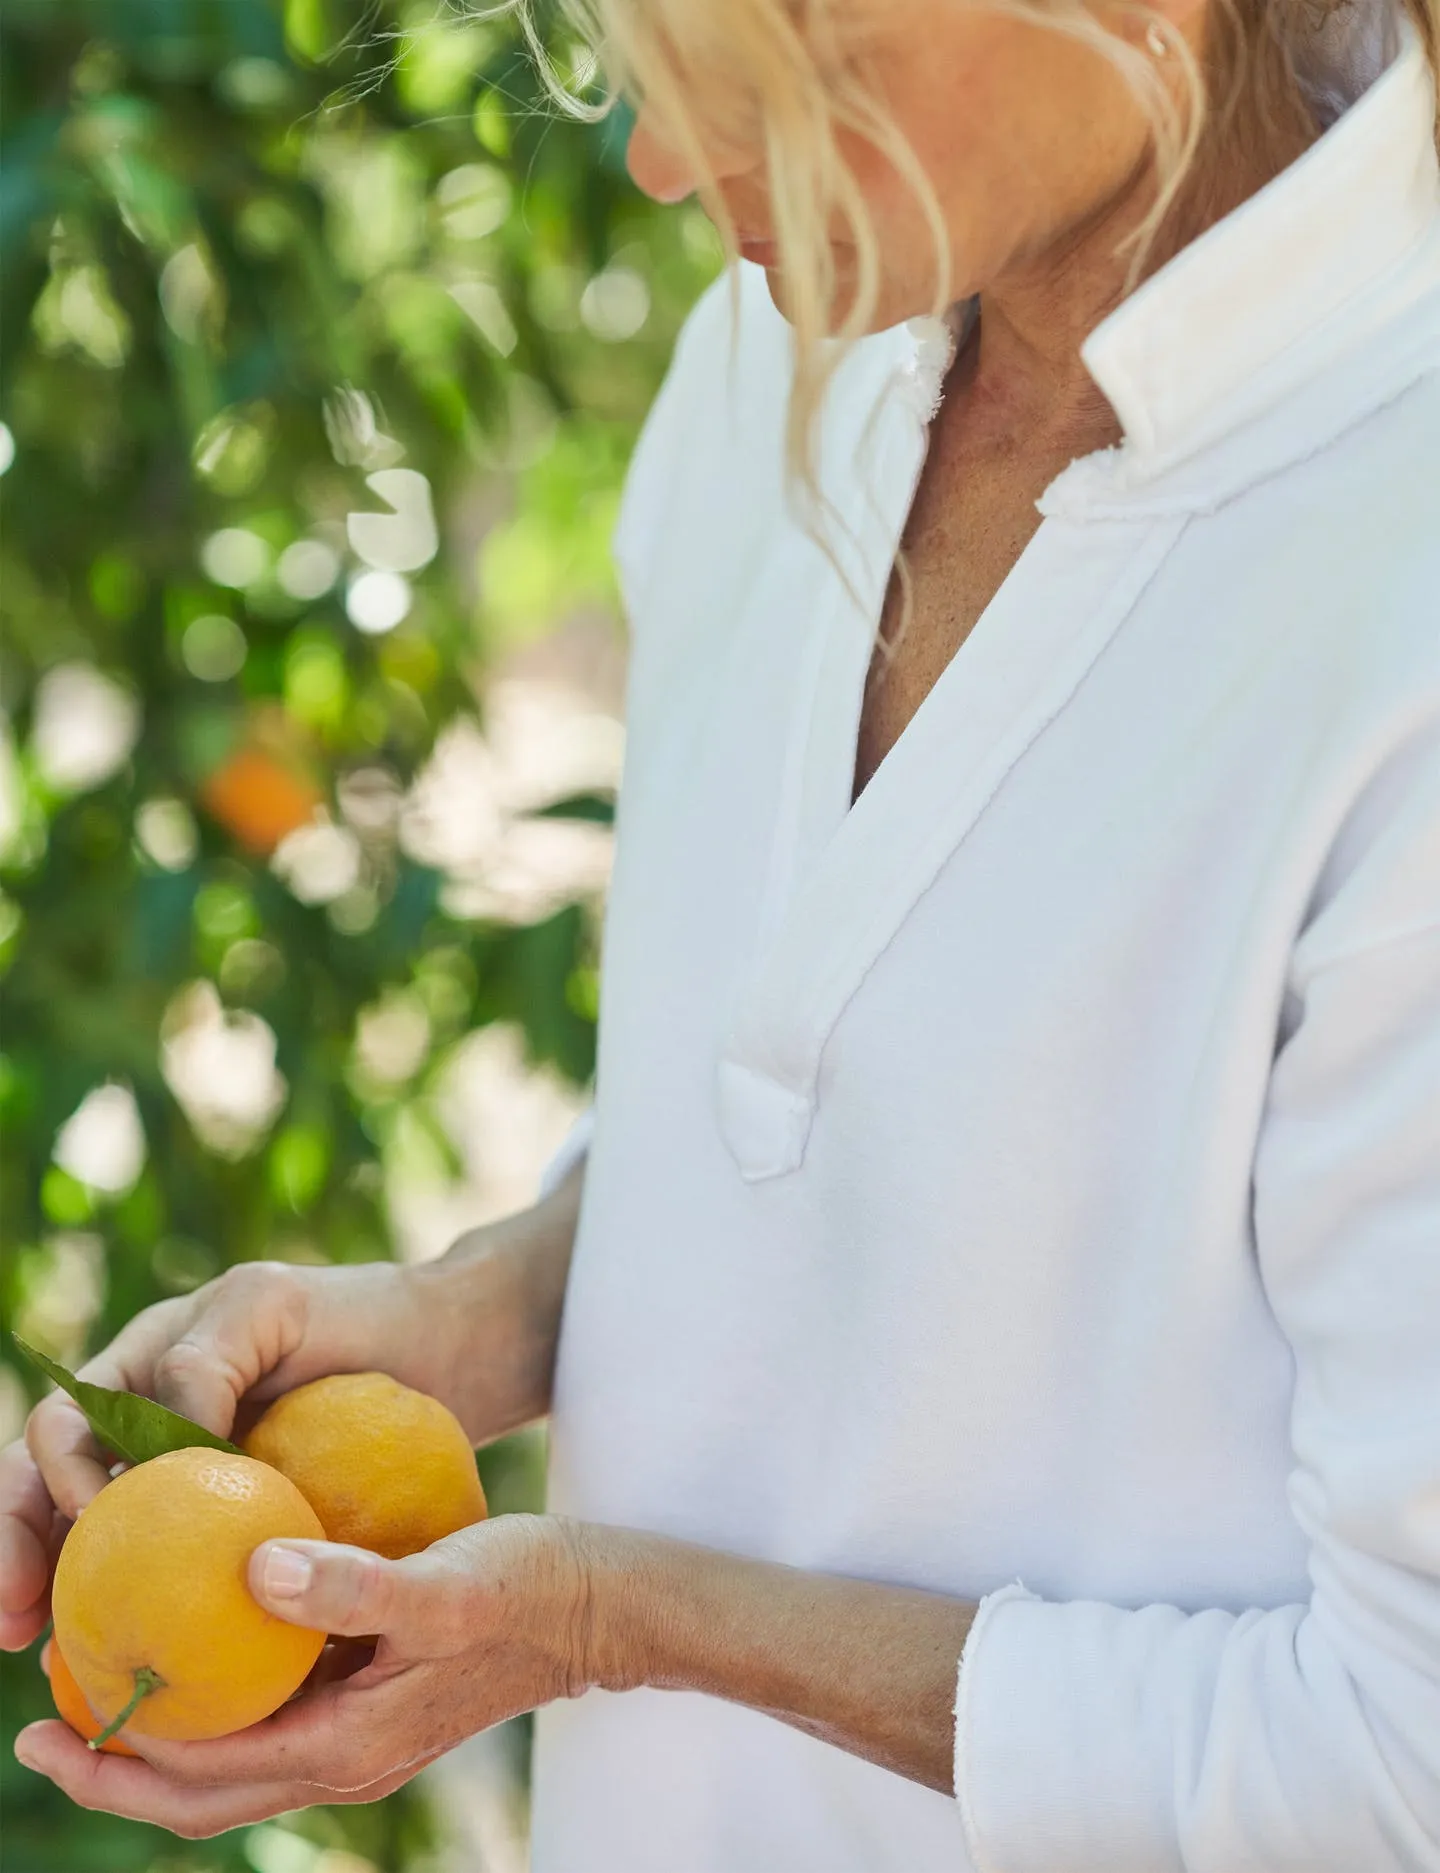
<point x="135" y="1428"/>
<point x="309" y="31"/>
<point x="596" y="808"/>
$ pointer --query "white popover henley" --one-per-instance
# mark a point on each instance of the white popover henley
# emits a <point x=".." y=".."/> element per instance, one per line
<point x="1032" y="1173"/>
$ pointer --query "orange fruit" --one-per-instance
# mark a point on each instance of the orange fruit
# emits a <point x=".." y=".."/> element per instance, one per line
<point x="150" y="1596"/>
<point x="259" y="799"/>
<point x="70" y="1702"/>
<point x="384" y="1467"/>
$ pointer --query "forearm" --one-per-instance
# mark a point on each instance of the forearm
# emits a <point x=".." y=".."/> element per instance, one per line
<point x="868" y="1668"/>
<point x="492" y="1308"/>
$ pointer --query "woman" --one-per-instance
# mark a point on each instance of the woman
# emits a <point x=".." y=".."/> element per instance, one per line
<point x="1002" y="1341"/>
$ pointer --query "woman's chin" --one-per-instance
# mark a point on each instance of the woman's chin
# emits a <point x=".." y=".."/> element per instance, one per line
<point x="892" y="310"/>
<point x="761" y="253"/>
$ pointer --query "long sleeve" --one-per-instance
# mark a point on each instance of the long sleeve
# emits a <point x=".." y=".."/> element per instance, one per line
<point x="574" y="1147"/>
<point x="1305" y="1738"/>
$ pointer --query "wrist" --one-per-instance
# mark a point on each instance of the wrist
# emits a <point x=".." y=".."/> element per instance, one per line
<point x="489" y="1315"/>
<point x="861" y="1664"/>
<point x="610" y="1596"/>
<point x="468" y="1332"/>
<point x="648" y="1610"/>
<point x="634" y="1600"/>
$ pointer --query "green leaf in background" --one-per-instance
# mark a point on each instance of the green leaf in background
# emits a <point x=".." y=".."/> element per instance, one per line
<point x="135" y="1428"/>
<point x="251" y="253"/>
<point x="595" y="809"/>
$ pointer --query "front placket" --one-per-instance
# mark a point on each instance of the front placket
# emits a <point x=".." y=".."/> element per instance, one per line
<point x="858" y="874"/>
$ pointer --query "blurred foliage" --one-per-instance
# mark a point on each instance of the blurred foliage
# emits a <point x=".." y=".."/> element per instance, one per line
<point x="253" y="252"/>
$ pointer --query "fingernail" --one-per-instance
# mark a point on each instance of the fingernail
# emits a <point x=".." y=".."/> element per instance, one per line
<point x="287" y="1573"/>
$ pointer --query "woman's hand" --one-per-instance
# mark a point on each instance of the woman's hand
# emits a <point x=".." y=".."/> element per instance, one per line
<point x="259" y="1329"/>
<point x="511" y="1614"/>
<point x="482" y="1626"/>
<point x="476" y="1330"/>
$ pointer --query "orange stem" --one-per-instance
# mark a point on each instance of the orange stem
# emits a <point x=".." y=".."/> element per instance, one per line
<point x="146" y="1681"/>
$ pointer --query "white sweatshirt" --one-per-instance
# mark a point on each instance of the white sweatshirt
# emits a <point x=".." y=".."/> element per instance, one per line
<point x="1032" y="1173"/>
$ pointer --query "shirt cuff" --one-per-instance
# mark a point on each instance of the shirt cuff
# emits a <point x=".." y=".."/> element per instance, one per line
<point x="964" y="1721"/>
<point x="1070" y="1718"/>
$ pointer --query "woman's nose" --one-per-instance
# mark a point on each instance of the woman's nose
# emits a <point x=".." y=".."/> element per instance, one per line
<point x="657" y="169"/>
<point x="664" y="174"/>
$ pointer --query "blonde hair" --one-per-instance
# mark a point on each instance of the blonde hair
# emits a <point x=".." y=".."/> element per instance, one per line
<point x="776" y="73"/>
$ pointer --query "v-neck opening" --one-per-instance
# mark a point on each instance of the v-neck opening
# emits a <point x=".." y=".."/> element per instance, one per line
<point x="950" y="673"/>
<point x="845" y="872"/>
<point x="964" y="332"/>
<point x="850" y="877"/>
<point x="843" y="643"/>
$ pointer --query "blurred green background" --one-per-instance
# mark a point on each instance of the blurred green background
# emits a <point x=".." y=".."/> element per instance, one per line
<point x="325" y="342"/>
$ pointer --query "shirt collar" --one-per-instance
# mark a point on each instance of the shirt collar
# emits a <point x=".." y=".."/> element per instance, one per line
<point x="1297" y="315"/>
<point x="1286" y="285"/>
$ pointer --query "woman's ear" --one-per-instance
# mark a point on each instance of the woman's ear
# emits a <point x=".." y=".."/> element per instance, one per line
<point x="1172" y="23"/>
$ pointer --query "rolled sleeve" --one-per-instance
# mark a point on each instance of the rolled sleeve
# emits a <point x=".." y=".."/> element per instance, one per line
<point x="1305" y="1738"/>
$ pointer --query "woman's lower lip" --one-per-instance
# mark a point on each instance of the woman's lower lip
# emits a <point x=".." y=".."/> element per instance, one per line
<point x="763" y="253"/>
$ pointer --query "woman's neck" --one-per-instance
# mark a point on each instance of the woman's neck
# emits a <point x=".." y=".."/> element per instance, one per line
<point x="1026" y="378"/>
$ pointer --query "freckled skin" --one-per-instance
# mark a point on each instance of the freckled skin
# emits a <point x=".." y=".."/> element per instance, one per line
<point x="1038" y="156"/>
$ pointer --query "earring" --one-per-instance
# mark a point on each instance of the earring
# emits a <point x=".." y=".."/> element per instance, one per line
<point x="1156" y="44"/>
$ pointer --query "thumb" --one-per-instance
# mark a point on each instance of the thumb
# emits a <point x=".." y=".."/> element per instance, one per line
<point x="340" y="1590"/>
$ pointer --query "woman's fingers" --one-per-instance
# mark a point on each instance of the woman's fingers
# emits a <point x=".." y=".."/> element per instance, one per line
<point x="125" y="1786"/>
<point x="60" y="1467"/>
<point x="198" y="1355"/>
<point x="421" y="1607"/>
<point x="120" y="1785"/>
<point x="26" y="1513"/>
<point x="348" y="1592"/>
<point x="244" y="1325"/>
<point x="335" y="1738"/>
<point x="71" y="1463"/>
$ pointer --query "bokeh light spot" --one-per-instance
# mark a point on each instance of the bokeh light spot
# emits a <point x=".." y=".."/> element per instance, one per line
<point x="213" y="648"/>
<point x="615" y="304"/>
<point x="308" y="569"/>
<point x="166" y="832"/>
<point x="102" y="1143"/>
<point x="235" y="557"/>
<point x="377" y="601"/>
<point x="85" y="725"/>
